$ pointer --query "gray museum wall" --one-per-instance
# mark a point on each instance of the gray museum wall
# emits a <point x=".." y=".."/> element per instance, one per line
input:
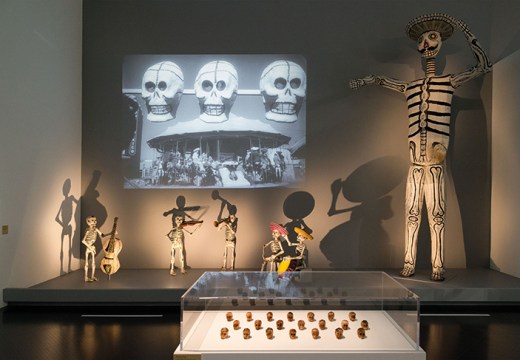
<point x="356" y="136"/>
<point x="505" y="169"/>
<point x="40" y="138"/>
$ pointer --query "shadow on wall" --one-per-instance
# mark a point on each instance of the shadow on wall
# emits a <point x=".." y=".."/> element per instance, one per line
<point x="361" y="242"/>
<point x="297" y="206"/>
<point x="69" y="240"/>
<point x="91" y="206"/>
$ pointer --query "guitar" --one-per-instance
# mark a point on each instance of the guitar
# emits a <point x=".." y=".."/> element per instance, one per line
<point x="112" y="247"/>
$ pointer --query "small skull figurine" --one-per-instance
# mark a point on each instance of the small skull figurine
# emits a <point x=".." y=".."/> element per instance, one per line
<point x="331" y="315"/>
<point x="301" y="324"/>
<point x="322" y="324"/>
<point x="344" y="324"/>
<point x="290" y="316"/>
<point x="258" y="324"/>
<point x="283" y="85"/>
<point x="279" y="324"/>
<point x="339" y="333"/>
<point x="269" y="333"/>
<point x="229" y="316"/>
<point x="162" y="87"/>
<point x="361" y="333"/>
<point x="292" y="334"/>
<point x="249" y="316"/>
<point x="310" y="316"/>
<point x="352" y="316"/>
<point x="224" y="333"/>
<point x="236" y="324"/>
<point x="364" y="325"/>
<point x="269" y="316"/>
<point x="247" y="333"/>
<point x="315" y="333"/>
<point x="216" y="87"/>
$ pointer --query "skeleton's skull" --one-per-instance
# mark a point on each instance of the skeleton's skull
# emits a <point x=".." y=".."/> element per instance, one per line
<point x="283" y="85"/>
<point x="429" y="44"/>
<point x="216" y="88"/>
<point x="91" y="221"/>
<point x="162" y="88"/>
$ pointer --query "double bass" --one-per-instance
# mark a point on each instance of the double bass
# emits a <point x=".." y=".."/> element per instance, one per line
<point x="112" y="247"/>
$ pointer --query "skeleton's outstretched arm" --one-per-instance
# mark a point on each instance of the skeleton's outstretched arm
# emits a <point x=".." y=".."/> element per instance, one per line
<point x="483" y="64"/>
<point x="381" y="80"/>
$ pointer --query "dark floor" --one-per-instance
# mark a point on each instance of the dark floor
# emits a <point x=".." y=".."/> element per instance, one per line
<point x="97" y="333"/>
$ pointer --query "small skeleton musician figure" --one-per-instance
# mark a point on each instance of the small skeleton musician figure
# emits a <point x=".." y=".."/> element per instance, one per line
<point x="276" y="247"/>
<point x="176" y="236"/>
<point x="230" y="224"/>
<point x="89" y="240"/>
<point x="301" y="250"/>
<point x="429" y="110"/>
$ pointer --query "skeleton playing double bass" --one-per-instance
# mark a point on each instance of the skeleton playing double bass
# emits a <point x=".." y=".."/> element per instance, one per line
<point x="429" y="111"/>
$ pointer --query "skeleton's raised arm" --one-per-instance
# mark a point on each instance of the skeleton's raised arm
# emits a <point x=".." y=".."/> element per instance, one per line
<point x="381" y="80"/>
<point x="483" y="64"/>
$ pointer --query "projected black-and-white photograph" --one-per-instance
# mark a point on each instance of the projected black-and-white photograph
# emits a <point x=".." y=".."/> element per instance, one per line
<point x="213" y="121"/>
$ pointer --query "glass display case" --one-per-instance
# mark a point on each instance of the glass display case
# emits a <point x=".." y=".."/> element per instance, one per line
<point x="299" y="315"/>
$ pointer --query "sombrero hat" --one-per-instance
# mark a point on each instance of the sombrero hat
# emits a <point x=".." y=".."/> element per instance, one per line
<point x="303" y="233"/>
<point x="280" y="228"/>
<point x="441" y="23"/>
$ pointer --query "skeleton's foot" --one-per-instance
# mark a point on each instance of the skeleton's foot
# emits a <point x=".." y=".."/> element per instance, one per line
<point x="87" y="279"/>
<point x="93" y="278"/>
<point x="408" y="270"/>
<point x="438" y="274"/>
<point x="172" y="273"/>
<point x="184" y="272"/>
<point x="223" y="268"/>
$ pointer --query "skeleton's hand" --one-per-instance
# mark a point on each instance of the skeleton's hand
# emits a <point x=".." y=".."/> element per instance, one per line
<point x="356" y="83"/>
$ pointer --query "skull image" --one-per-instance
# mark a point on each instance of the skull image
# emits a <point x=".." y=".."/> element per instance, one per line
<point x="216" y="88"/>
<point x="162" y="87"/>
<point x="283" y="85"/>
<point x="429" y="44"/>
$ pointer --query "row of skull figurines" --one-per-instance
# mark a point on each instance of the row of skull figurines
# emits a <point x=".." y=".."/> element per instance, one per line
<point x="315" y="332"/>
<point x="283" y="85"/>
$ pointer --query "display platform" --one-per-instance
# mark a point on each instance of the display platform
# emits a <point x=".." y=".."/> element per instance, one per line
<point x="332" y="305"/>
<point x="156" y="286"/>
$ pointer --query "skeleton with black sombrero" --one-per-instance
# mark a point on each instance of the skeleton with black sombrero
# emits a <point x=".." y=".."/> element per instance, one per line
<point x="429" y="109"/>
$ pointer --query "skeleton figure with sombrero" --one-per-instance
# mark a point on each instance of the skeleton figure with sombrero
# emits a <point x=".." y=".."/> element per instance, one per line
<point x="275" y="246"/>
<point x="429" y="109"/>
<point x="298" y="262"/>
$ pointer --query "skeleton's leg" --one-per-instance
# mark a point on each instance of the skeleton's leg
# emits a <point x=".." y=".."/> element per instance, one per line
<point x="233" y="255"/>
<point x="436" y="206"/>
<point x="264" y="264"/>
<point x="224" y="257"/>
<point x="172" y="260"/>
<point x="181" y="258"/>
<point x="93" y="267"/>
<point x="413" y="207"/>
<point x="86" y="265"/>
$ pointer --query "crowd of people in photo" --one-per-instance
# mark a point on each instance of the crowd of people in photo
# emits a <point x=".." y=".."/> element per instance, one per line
<point x="256" y="166"/>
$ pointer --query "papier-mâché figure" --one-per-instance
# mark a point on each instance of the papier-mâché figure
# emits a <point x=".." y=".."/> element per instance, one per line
<point x="89" y="240"/>
<point x="275" y="246"/>
<point x="429" y="110"/>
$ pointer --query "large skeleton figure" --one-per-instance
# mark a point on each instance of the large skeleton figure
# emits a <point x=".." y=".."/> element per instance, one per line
<point x="429" y="109"/>
<point x="89" y="240"/>
<point x="275" y="246"/>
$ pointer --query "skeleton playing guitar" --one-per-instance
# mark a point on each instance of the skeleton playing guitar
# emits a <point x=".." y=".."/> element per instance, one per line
<point x="112" y="247"/>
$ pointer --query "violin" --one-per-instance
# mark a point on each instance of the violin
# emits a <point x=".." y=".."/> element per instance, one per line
<point x="112" y="247"/>
<point x="191" y="222"/>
